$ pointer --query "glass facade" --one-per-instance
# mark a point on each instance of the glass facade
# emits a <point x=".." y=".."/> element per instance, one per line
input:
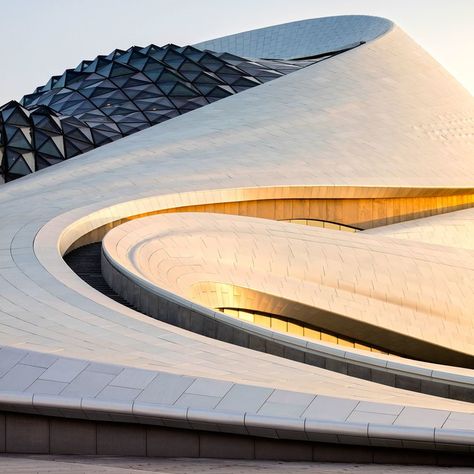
<point x="116" y="95"/>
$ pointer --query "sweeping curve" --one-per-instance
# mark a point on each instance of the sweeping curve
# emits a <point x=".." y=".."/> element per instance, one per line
<point x="348" y="279"/>
<point x="300" y="39"/>
<point x="376" y="139"/>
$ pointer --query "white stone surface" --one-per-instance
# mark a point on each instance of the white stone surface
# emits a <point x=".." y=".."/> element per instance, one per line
<point x="301" y="38"/>
<point x="385" y="283"/>
<point x="455" y="229"/>
<point x="380" y="119"/>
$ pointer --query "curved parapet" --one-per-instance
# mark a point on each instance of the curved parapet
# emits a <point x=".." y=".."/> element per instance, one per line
<point x="377" y="135"/>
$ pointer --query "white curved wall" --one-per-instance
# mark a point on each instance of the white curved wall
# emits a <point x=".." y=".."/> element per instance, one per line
<point x="381" y="116"/>
<point x="379" y="282"/>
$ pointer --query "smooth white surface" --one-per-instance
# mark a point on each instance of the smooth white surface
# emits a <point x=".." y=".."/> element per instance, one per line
<point x="384" y="283"/>
<point x="382" y="115"/>
<point x="302" y="38"/>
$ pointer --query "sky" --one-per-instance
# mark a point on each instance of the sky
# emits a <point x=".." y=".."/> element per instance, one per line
<point x="42" y="38"/>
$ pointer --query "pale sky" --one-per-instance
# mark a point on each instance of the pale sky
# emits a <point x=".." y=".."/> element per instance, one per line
<point x="42" y="38"/>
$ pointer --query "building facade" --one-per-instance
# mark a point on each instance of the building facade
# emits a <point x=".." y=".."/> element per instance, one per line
<point x="262" y="248"/>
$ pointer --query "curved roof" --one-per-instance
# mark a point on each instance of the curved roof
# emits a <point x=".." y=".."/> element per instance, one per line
<point x="383" y="119"/>
<point x="363" y="279"/>
<point x="454" y="229"/>
<point x="302" y="38"/>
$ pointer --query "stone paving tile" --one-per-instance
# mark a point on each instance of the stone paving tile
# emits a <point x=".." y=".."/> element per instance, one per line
<point x="102" y="464"/>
